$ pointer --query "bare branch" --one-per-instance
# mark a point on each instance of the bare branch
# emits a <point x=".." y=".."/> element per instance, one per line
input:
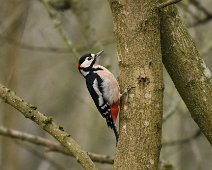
<point x="167" y="3"/>
<point x="46" y="123"/>
<point x="203" y="21"/>
<point x="191" y="76"/>
<point x="60" y="5"/>
<point x="183" y="141"/>
<point x="26" y="46"/>
<point x="200" y="7"/>
<point x="60" y="30"/>
<point x="52" y="146"/>
<point x="172" y="109"/>
<point x="30" y="138"/>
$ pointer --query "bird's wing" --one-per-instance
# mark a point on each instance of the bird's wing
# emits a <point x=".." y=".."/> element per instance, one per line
<point x="110" y="113"/>
<point x="93" y="83"/>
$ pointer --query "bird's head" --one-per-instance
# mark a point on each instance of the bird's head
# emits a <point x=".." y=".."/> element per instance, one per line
<point x="87" y="61"/>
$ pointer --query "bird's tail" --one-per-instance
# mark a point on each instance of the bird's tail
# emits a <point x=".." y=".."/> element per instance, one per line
<point x="112" y="125"/>
<point x="116" y="133"/>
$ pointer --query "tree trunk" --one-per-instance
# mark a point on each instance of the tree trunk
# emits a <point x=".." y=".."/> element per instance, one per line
<point x="187" y="69"/>
<point x="136" y="26"/>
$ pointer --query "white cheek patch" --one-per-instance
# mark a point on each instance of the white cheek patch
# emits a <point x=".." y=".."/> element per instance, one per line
<point x="95" y="86"/>
<point x="86" y="63"/>
<point x="93" y="55"/>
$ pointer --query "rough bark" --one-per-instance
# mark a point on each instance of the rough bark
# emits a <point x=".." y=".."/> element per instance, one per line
<point x="188" y="71"/>
<point x="136" y="27"/>
<point x="46" y="123"/>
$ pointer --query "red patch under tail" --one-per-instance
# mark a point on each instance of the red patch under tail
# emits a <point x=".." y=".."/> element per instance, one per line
<point x="114" y="108"/>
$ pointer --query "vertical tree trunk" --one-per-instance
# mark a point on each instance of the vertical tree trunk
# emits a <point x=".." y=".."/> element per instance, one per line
<point x="136" y="26"/>
<point x="188" y="71"/>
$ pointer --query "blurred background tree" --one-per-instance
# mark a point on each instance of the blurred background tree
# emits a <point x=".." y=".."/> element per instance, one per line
<point x="36" y="62"/>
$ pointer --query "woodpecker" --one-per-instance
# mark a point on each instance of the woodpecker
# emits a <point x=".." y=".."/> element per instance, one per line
<point x="103" y="88"/>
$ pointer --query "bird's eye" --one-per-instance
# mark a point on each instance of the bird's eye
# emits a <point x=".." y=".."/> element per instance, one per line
<point x="89" y="58"/>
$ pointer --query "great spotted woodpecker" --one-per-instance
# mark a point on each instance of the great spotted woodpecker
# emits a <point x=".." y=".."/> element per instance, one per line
<point x="102" y="86"/>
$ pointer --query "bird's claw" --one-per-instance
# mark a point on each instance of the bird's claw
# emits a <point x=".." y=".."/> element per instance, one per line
<point x="125" y="94"/>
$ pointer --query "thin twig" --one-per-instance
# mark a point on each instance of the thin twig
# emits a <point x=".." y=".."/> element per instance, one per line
<point x="60" y="30"/>
<point x="183" y="141"/>
<point x="200" y="7"/>
<point x="50" y="145"/>
<point x="172" y="109"/>
<point x="167" y="3"/>
<point x="202" y="21"/>
<point x="46" y="123"/>
<point x="26" y="46"/>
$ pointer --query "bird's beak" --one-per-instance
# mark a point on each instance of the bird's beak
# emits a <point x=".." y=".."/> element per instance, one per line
<point x="99" y="54"/>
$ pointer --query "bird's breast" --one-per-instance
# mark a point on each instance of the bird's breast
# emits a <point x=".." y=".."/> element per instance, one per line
<point x="109" y="85"/>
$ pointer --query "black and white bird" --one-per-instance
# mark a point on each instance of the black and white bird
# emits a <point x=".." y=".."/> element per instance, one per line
<point x="103" y="88"/>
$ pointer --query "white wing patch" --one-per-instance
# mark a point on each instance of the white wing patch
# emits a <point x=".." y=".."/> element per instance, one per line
<point x="95" y="86"/>
<point x="104" y="106"/>
<point x="110" y="85"/>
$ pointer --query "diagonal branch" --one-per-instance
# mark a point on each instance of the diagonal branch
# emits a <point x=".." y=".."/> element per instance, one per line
<point x="60" y="30"/>
<point x="46" y="123"/>
<point x="200" y="7"/>
<point x="26" y="46"/>
<point x="191" y="76"/>
<point x="183" y="141"/>
<point x="56" y="147"/>
<point x="167" y="3"/>
<point x="50" y="145"/>
<point x="172" y="110"/>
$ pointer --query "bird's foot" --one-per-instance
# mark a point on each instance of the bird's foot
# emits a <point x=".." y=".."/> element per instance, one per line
<point x="125" y="94"/>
